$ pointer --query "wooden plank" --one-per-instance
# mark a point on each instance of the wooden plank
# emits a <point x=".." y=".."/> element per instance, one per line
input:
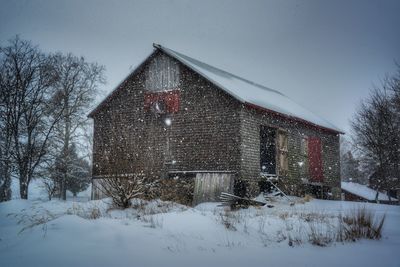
<point x="208" y="186"/>
<point x="162" y="74"/>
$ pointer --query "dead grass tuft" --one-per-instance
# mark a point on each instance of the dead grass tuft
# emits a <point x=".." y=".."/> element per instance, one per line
<point x="361" y="223"/>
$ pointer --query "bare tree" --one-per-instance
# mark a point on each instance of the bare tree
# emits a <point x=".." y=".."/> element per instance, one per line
<point x="28" y="77"/>
<point x="393" y="85"/>
<point x="76" y="88"/>
<point x="376" y="130"/>
<point x="50" y="186"/>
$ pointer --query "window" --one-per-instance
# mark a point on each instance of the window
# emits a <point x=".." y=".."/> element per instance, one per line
<point x="304" y="147"/>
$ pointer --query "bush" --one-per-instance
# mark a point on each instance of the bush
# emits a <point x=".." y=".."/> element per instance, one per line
<point x="123" y="189"/>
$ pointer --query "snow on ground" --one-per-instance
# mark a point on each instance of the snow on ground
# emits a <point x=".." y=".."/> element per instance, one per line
<point x="70" y="233"/>
<point x="364" y="191"/>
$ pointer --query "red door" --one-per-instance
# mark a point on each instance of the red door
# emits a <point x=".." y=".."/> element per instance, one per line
<point x="315" y="159"/>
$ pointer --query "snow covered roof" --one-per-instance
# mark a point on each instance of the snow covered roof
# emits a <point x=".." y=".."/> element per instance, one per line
<point x="364" y="191"/>
<point x="246" y="91"/>
<point x="250" y="92"/>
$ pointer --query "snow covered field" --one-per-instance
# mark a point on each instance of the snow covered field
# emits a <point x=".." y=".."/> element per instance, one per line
<point x="56" y="233"/>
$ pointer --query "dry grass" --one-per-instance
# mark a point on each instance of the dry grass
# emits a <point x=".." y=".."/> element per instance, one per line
<point x="321" y="229"/>
<point x="362" y="223"/>
<point x="29" y="221"/>
<point x="305" y="199"/>
<point x="147" y="211"/>
<point x="229" y="220"/>
<point x="321" y="234"/>
<point x="153" y="221"/>
<point x="92" y="212"/>
<point x="284" y="215"/>
<point x="144" y="207"/>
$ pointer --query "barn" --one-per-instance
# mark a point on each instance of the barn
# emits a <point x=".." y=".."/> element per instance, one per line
<point x="198" y="130"/>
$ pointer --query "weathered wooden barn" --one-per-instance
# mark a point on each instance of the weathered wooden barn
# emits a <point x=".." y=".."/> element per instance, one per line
<point x="175" y="118"/>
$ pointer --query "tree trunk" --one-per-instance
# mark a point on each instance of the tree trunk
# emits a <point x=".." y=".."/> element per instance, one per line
<point x="377" y="196"/>
<point x="23" y="189"/>
<point x="5" y="188"/>
<point x="5" y="167"/>
<point x="67" y="136"/>
<point x="63" y="189"/>
<point x="24" y="179"/>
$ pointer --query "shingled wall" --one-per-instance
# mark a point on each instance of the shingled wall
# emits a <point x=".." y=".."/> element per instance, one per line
<point x="252" y="119"/>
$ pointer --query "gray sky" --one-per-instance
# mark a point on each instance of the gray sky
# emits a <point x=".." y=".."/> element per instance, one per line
<point x="323" y="54"/>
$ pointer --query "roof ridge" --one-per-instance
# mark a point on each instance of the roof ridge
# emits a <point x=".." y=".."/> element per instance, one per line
<point x="219" y="70"/>
<point x="201" y="66"/>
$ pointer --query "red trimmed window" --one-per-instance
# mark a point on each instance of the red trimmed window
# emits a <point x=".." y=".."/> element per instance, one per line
<point x="169" y="98"/>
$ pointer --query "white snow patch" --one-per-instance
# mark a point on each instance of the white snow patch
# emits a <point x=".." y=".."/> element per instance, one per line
<point x="364" y="191"/>
<point x="158" y="233"/>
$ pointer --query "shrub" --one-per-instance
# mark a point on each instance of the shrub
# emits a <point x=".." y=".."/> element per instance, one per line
<point x="123" y="189"/>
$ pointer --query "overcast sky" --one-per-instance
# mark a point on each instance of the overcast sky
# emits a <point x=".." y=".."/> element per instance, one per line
<point x="323" y="54"/>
